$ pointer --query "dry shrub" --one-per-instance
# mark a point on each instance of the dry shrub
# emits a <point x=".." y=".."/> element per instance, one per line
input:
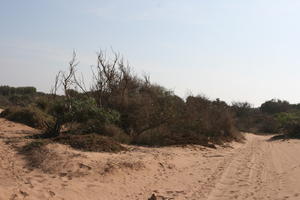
<point x="90" y="142"/>
<point x="129" y="109"/>
<point x="163" y="137"/>
<point x="196" y="121"/>
<point x="42" y="103"/>
<point x="268" y="124"/>
<point x="98" y="127"/>
<point x="292" y="129"/>
<point x="185" y="139"/>
<point x="116" y="133"/>
<point x="4" y="102"/>
<point x="35" y="153"/>
<point x="52" y="158"/>
<point x="112" y="166"/>
<point x="30" y="116"/>
<point x="212" y="119"/>
<point x="153" y="137"/>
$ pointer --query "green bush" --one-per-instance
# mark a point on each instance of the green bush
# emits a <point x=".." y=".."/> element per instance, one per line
<point x="285" y="118"/>
<point x="84" y="111"/>
<point x="289" y="123"/>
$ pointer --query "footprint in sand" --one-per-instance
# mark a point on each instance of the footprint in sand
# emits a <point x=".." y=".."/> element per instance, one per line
<point x="63" y="174"/>
<point x="25" y="194"/>
<point x="52" y="194"/>
<point x="64" y="185"/>
<point x="91" y="185"/>
<point x="13" y="197"/>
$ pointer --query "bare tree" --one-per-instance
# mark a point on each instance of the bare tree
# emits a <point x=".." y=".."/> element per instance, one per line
<point x="67" y="80"/>
<point x="56" y="85"/>
<point x="110" y="76"/>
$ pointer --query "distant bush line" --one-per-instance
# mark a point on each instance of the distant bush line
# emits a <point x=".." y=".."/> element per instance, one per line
<point x="9" y="91"/>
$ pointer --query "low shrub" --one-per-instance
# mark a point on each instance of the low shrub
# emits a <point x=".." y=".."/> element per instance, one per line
<point x="30" y="116"/>
<point x="269" y="124"/>
<point x="116" y="133"/>
<point x="90" y="142"/>
<point x="292" y="129"/>
<point x="42" y="103"/>
<point x="34" y="145"/>
<point x="185" y="139"/>
<point x="162" y="137"/>
<point x="90" y="126"/>
<point x="98" y="127"/>
<point x="211" y="119"/>
<point x="153" y="137"/>
<point x="4" y="102"/>
<point x="21" y="100"/>
<point x="34" y="152"/>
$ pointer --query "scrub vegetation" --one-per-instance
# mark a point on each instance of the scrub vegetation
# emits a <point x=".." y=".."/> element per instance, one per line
<point x="121" y="107"/>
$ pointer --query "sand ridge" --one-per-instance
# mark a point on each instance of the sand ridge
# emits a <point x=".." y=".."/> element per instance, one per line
<point x="255" y="169"/>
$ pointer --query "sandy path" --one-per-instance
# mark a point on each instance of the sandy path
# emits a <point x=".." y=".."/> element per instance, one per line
<point x="261" y="170"/>
<point x="256" y="169"/>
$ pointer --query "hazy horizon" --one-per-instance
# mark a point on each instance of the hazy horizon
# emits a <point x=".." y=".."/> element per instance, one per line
<point x="232" y="50"/>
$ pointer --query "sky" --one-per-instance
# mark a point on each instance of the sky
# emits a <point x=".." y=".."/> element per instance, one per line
<point x="235" y="50"/>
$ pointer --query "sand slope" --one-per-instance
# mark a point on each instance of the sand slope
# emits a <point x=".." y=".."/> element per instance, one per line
<point x="256" y="169"/>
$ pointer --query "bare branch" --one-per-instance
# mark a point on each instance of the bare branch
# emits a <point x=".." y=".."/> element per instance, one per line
<point x="56" y="85"/>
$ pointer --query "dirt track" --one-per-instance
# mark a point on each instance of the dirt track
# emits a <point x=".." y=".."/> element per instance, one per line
<point x="256" y="169"/>
<point x="260" y="169"/>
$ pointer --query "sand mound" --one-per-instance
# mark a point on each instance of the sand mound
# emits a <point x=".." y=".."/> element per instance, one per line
<point x="64" y="161"/>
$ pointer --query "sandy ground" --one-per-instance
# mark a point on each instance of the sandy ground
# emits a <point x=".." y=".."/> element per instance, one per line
<point x="256" y="169"/>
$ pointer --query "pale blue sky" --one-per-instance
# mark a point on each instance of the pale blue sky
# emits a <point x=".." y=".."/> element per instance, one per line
<point x="236" y="50"/>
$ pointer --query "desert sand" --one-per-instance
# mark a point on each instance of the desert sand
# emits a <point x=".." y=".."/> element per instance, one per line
<point x="254" y="169"/>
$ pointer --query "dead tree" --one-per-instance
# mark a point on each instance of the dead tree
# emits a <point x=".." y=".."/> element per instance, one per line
<point x="67" y="80"/>
<point x="111" y="77"/>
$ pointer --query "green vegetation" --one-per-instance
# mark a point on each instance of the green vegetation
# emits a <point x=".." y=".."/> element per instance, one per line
<point x="121" y="107"/>
<point x="17" y="96"/>
<point x="273" y="116"/>
<point x="10" y="91"/>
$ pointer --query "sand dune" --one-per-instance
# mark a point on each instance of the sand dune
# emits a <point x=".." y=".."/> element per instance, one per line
<point x="255" y="169"/>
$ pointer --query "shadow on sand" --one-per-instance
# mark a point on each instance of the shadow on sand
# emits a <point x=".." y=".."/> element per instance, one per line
<point x="283" y="137"/>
